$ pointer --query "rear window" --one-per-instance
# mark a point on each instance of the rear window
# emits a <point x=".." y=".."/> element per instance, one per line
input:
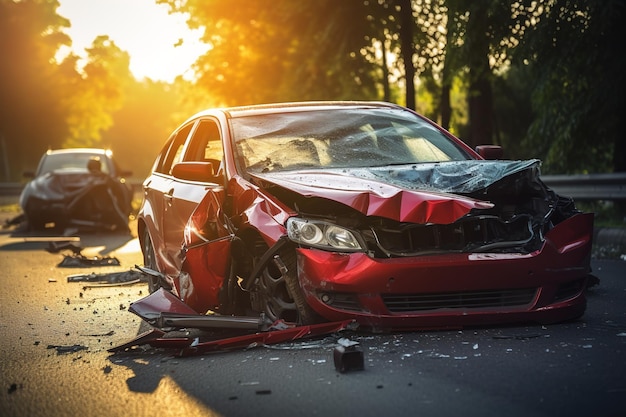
<point x="69" y="162"/>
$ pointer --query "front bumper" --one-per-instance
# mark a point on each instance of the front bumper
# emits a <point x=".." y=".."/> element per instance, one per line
<point x="455" y="289"/>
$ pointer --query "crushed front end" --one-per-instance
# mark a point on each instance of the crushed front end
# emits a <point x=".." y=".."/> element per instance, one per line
<point x="494" y="246"/>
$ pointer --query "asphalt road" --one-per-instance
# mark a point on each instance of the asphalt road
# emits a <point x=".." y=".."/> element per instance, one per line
<point x="54" y="337"/>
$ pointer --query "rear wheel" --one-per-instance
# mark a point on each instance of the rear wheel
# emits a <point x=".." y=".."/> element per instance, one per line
<point x="149" y="261"/>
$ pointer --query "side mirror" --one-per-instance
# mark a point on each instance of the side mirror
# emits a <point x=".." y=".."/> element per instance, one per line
<point x="196" y="171"/>
<point x="490" y="151"/>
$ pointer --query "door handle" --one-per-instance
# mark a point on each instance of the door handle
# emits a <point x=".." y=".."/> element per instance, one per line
<point x="168" y="196"/>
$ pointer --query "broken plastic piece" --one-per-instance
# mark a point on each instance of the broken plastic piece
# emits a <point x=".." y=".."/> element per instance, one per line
<point x="348" y="358"/>
<point x="124" y="277"/>
<point x="78" y="261"/>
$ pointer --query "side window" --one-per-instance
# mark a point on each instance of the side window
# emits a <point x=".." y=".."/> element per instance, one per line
<point x="206" y="144"/>
<point x="173" y="153"/>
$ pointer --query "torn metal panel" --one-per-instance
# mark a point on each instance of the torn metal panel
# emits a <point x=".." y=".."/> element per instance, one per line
<point x="278" y="333"/>
<point x="410" y="193"/>
<point x="142" y="339"/>
<point x="373" y="198"/>
<point x="266" y="338"/>
<point x="150" y="307"/>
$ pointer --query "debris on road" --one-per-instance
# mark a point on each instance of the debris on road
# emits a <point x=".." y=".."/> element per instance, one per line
<point x="129" y="277"/>
<point x="61" y="350"/>
<point x="76" y="259"/>
<point x="164" y="310"/>
<point x="189" y="346"/>
<point x="348" y="356"/>
<point x="79" y="261"/>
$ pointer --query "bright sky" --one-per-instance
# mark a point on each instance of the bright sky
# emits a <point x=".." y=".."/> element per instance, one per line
<point x="140" y="27"/>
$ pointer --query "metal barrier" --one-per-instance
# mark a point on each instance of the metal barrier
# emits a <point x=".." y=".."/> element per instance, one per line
<point x="579" y="187"/>
<point x="589" y="186"/>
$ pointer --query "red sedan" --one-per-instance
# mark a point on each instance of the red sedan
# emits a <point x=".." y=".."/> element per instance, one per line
<point x="326" y="211"/>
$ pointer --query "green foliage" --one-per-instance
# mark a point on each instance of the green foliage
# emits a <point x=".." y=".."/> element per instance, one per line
<point x="281" y="50"/>
<point x="544" y="79"/>
<point x="577" y="76"/>
<point x="32" y="116"/>
<point x="98" y="93"/>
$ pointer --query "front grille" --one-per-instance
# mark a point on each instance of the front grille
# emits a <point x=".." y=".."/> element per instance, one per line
<point x="477" y="233"/>
<point x="403" y="303"/>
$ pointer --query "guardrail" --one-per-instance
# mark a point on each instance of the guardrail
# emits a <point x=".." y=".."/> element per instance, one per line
<point x="579" y="187"/>
<point x="589" y="186"/>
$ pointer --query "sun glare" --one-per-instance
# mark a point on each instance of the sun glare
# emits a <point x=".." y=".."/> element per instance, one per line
<point x="160" y="45"/>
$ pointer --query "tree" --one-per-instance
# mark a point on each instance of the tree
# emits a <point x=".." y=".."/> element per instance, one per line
<point x="282" y="50"/>
<point x="578" y="78"/>
<point x="33" y="111"/>
<point x="98" y="93"/>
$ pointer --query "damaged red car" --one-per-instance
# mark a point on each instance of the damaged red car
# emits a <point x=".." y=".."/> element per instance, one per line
<point x="328" y="211"/>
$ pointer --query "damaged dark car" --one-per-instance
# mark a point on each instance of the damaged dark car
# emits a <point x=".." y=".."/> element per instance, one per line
<point x="82" y="188"/>
<point x="365" y="211"/>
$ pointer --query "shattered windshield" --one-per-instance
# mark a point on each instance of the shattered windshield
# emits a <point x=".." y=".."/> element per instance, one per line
<point x="339" y="138"/>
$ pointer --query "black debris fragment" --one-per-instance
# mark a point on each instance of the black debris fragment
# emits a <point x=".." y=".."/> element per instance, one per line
<point x="62" y="350"/>
<point x="12" y="388"/>
<point x="79" y="261"/>
<point x="517" y="336"/>
<point x="593" y="281"/>
<point x="58" y="246"/>
<point x="348" y="356"/>
<point x="131" y="276"/>
<point x="15" y="221"/>
<point x="111" y="333"/>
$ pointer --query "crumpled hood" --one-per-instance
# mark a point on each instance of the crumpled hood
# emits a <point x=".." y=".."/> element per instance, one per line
<point x="417" y="193"/>
<point x="59" y="185"/>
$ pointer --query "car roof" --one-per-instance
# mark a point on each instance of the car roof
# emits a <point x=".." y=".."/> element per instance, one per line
<point x="79" y="150"/>
<point x="293" y="107"/>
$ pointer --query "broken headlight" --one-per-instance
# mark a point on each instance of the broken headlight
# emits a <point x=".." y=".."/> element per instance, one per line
<point x="323" y="235"/>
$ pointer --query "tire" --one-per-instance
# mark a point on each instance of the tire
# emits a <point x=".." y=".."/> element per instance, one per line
<point x="149" y="261"/>
<point x="280" y="289"/>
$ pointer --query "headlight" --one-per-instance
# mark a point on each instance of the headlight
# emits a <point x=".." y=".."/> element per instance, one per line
<point x="322" y="235"/>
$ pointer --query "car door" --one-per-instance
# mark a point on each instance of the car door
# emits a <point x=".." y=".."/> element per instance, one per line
<point x="185" y="193"/>
<point x="157" y="189"/>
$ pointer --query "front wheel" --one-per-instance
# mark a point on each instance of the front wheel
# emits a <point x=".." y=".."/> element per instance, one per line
<point x="280" y="291"/>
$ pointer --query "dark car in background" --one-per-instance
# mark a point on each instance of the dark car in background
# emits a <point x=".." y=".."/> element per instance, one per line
<point x="325" y="211"/>
<point x="77" y="187"/>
